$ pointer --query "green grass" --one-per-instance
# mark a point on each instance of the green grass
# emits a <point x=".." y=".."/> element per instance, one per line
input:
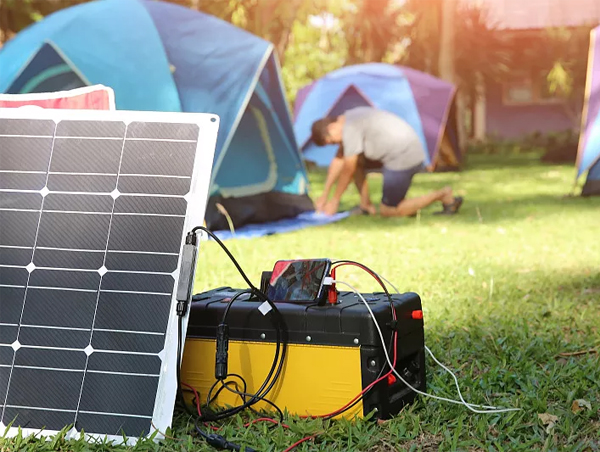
<point x="506" y="286"/>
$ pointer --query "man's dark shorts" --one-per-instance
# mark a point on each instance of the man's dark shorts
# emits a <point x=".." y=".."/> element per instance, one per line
<point x="396" y="184"/>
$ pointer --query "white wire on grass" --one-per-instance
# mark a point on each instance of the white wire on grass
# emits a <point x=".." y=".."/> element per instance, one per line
<point x="438" y="362"/>
<point x="462" y="401"/>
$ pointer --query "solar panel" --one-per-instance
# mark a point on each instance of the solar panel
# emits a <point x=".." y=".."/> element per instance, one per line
<point x="94" y="208"/>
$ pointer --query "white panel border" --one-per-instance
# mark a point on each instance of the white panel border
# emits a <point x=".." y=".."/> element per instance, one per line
<point x="197" y="199"/>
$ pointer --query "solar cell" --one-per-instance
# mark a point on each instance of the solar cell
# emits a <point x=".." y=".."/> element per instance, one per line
<point x="94" y="208"/>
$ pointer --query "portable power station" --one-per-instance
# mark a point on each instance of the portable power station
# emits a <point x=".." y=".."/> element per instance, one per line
<point x="334" y="352"/>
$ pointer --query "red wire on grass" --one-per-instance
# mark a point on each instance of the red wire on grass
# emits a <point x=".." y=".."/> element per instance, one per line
<point x="340" y="410"/>
<point x="297" y="443"/>
<point x="196" y="395"/>
<point x="266" y="419"/>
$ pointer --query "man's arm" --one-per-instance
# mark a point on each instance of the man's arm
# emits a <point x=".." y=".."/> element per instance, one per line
<point x="335" y="169"/>
<point x="346" y="175"/>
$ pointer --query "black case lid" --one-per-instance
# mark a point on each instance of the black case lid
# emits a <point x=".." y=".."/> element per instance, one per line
<point x="340" y="324"/>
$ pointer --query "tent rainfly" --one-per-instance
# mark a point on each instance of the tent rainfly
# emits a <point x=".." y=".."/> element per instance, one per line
<point x="159" y="56"/>
<point x="422" y="100"/>
<point x="588" y="153"/>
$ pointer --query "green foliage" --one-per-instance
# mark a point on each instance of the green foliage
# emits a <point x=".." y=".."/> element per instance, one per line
<point x="372" y="27"/>
<point x="507" y="286"/>
<point x="18" y="14"/>
<point x="312" y="53"/>
<point x="568" y="49"/>
<point x="557" y="147"/>
<point x="503" y="147"/>
<point x="480" y="49"/>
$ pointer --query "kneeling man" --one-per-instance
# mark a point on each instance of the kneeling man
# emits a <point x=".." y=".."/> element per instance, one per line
<point x="369" y="133"/>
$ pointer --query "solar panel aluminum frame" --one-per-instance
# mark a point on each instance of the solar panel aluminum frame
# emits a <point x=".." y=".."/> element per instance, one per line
<point x="196" y="198"/>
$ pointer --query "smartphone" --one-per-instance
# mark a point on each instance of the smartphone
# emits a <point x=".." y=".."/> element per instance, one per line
<point x="298" y="280"/>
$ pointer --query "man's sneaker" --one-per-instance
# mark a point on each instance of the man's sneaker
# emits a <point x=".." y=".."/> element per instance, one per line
<point x="451" y="209"/>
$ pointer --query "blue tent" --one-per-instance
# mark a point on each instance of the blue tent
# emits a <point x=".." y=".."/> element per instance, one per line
<point x="425" y="102"/>
<point x="163" y="57"/>
<point x="588" y="155"/>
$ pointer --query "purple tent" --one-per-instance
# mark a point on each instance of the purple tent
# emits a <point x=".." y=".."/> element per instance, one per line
<point x="588" y="155"/>
<point x="422" y="100"/>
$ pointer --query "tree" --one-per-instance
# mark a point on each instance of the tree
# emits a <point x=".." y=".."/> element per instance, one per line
<point x="483" y="55"/>
<point x="271" y="20"/>
<point x="423" y="33"/>
<point x="566" y="78"/>
<point x="371" y="28"/>
<point x="318" y="46"/>
<point x="480" y="53"/>
<point x="16" y="15"/>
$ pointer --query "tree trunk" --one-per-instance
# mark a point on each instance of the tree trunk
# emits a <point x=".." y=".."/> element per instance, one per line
<point x="286" y="30"/>
<point x="446" y="56"/>
<point x="446" y="63"/>
<point x="479" y="110"/>
<point x="3" y="22"/>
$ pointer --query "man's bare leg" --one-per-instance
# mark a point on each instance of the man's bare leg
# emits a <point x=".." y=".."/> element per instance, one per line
<point x="411" y="206"/>
<point x="360" y="179"/>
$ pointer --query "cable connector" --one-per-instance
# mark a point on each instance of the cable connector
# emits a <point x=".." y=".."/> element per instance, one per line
<point x="218" y="442"/>
<point x="186" y="274"/>
<point x="191" y="238"/>
<point x="328" y="280"/>
<point x="221" y="355"/>
<point x="332" y="295"/>
<point x="181" y="309"/>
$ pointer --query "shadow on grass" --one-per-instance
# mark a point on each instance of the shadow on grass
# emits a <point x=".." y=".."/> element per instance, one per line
<point x="483" y="211"/>
<point x="496" y="189"/>
<point x="534" y="339"/>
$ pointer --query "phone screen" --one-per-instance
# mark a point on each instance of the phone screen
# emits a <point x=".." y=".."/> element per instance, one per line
<point x="298" y="280"/>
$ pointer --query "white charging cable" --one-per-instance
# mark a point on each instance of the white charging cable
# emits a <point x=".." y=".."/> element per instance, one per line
<point x="488" y="410"/>
<point x="437" y="361"/>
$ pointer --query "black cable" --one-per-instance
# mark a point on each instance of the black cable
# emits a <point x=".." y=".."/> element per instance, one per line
<point x="265" y="387"/>
<point x="210" y="399"/>
<point x="244" y="394"/>
<point x="213" y="439"/>
<point x="281" y="338"/>
<point x="218" y="441"/>
<point x="236" y="296"/>
<point x="222" y="245"/>
<point x="180" y="395"/>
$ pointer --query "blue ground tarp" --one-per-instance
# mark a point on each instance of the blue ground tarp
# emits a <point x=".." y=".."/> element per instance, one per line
<point x="302" y="221"/>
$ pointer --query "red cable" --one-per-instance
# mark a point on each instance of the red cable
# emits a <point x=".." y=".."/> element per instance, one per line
<point x="266" y="419"/>
<point x="356" y="264"/>
<point x="362" y="392"/>
<point x="297" y="443"/>
<point x="390" y="372"/>
<point x="196" y="395"/>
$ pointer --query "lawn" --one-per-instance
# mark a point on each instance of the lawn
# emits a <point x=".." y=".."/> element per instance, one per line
<point x="509" y="286"/>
